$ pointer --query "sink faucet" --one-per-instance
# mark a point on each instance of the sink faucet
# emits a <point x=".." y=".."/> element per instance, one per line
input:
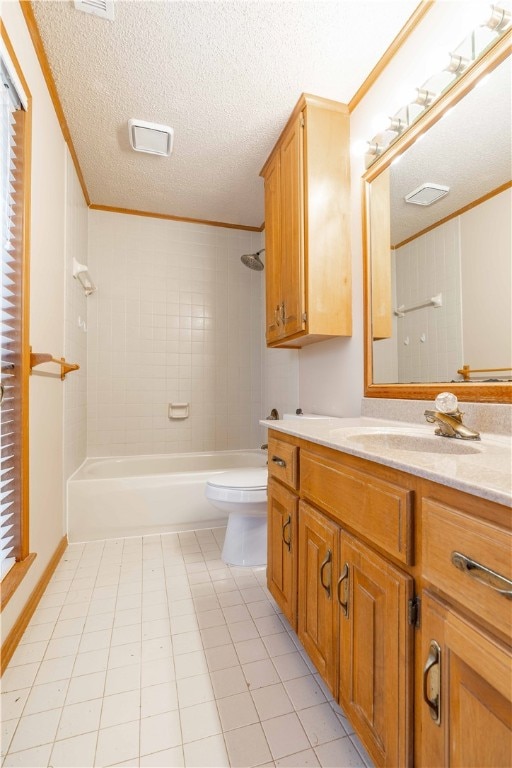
<point x="448" y="418"/>
<point x="274" y="415"/>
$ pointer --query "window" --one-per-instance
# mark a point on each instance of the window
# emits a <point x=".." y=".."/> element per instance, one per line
<point x="14" y="352"/>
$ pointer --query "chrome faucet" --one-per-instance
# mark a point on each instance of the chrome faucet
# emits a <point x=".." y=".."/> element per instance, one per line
<point x="274" y="415"/>
<point x="448" y="418"/>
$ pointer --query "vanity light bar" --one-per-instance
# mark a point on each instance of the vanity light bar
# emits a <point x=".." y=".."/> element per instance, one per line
<point x="498" y="21"/>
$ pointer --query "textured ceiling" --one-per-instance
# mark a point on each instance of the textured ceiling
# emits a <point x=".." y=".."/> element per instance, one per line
<point x="224" y="75"/>
<point x="468" y="150"/>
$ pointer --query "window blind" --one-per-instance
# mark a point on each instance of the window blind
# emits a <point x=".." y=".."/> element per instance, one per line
<point x="11" y="154"/>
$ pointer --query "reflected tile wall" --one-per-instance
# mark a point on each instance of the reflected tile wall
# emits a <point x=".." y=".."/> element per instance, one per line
<point x="177" y="318"/>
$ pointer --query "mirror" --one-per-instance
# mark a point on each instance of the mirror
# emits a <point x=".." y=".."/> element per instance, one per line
<point x="439" y="275"/>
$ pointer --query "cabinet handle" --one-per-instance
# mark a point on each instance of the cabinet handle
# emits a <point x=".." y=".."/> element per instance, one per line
<point x="344" y="577"/>
<point x="483" y="574"/>
<point x="288" y="542"/>
<point x="280" y="462"/>
<point x="325" y="563"/>
<point x="432" y="682"/>
<point x="276" y="316"/>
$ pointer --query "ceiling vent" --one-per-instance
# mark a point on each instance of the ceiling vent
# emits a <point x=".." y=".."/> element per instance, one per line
<point x="150" y="137"/>
<point x="427" y="193"/>
<point x="102" y="8"/>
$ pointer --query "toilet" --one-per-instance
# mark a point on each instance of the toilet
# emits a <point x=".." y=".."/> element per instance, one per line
<point x="242" y="493"/>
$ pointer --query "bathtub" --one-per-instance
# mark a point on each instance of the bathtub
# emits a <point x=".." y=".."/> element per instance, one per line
<point x="139" y="495"/>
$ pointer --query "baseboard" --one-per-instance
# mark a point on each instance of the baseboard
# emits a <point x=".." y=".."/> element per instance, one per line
<point x="15" y="635"/>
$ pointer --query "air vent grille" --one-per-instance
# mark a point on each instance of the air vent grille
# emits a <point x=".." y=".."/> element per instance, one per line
<point x="102" y="8"/>
<point x="426" y="194"/>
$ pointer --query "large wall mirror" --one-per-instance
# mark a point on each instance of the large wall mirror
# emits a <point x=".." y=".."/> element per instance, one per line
<point x="439" y="274"/>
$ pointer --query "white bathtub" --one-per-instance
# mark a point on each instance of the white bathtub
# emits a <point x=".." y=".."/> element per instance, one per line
<point x="139" y="495"/>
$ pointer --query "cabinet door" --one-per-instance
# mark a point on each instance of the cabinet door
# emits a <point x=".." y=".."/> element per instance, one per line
<point x="292" y="231"/>
<point x="466" y="713"/>
<point x="274" y="327"/>
<point x="282" y="549"/>
<point x="375" y="681"/>
<point x="318" y="558"/>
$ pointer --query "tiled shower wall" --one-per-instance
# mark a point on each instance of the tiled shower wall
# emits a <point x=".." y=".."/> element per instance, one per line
<point x="177" y="318"/>
<point x="75" y="338"/>
<point x="430" y="340"/>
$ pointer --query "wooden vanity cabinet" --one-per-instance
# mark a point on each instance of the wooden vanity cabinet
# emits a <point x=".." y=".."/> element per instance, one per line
<point x="317" y="612"/>
<point x="307" y="258"/>
<point x="375" y="651"/>
<point x="465" y="672"/>
<point x="396" y="627"/>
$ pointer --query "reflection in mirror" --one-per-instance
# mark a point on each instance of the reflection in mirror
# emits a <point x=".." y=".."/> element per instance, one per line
<point x="440" y="244"/>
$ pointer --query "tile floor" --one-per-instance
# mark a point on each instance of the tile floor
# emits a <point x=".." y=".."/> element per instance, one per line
<point x="151" y="652"/>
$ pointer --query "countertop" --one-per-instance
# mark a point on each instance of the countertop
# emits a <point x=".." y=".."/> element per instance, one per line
<point x="485" y="471"/>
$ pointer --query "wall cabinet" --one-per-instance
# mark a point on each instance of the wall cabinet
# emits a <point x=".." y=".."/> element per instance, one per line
<point x="307" y="259"/>
<point x="413" y="642"/>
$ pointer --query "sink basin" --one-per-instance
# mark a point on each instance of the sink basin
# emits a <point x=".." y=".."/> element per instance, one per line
<point x="407" y="441"/>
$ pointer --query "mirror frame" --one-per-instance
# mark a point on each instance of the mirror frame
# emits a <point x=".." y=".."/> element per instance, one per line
<point x="467" y="391"/>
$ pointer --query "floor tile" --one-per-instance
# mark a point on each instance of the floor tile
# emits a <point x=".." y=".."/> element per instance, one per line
<point x="290" y="665"/>
<point x="8" y="728"/>
<point x="120" y="708"/>
<point x="268" y="625"/>
<point x="85" y="687"/>
<point x="55" y="669"/>
<point x="285" y="735"/>
<point x="304" y="759"/>
<point x="243" y="630"/>
<point x="35" y="730"/>
<point x="247" y="746"/>
<point x="237" y="711"/>
<point x="116" y="744"/>
<point x="190" y="664"/>
<point x="221" y="657"/>
<point x="79" y="718"/>
<point x="17" y="678"/>
<point x="251" y="650"/>
<point x="91" y="661"/>
<point x="304" y="692"/>
<point x="214" y="636"/>
<point x="75" y="752"/>
<point x="167" y="758"/>
<point x="206" y="753"/>
<point x="158" y="699"/>
<point x="94" y="641"/>
<point x="160" y="732"/>
<point x="187" y="642"/>
<point x="271" y="701"/>
<point x="46" y="696"/>
<point x="338" y="753"/>
<point x="194" y="690"/>
<point x="321" y="724"/>
<point x="279" y="644"/>
<point x="123" y="679"/>
<point x="200" y="721"/>
<point x="260" y="673"/>
<point x="28" y="654"/>
<point x="29" y="758"/>
<point x="227" y="682"/>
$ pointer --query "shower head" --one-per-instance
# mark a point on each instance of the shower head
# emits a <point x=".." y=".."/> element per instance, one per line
<point x="252" y="260"/>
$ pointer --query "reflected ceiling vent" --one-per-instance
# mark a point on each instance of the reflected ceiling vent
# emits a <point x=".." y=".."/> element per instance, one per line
<point x="102" y="8"/>
<point x="151" y="137"/>
<point x="426" y="194"/>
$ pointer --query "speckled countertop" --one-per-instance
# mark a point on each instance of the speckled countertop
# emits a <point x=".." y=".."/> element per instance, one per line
<point x="482" y="468"/>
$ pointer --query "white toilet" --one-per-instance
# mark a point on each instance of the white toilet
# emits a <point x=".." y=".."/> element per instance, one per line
<point x="243" y="494"/>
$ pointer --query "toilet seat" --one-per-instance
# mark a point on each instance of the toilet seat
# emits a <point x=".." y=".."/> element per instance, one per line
<point x="238" y="485"/>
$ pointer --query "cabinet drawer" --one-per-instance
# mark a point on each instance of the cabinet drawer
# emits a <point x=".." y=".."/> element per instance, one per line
<point x="448" y="533"/>
<point x="380" y="511"/>
<point x="283" y="462"/>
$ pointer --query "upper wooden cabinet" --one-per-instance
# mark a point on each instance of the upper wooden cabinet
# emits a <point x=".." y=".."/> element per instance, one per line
<point x="308" y="263"/>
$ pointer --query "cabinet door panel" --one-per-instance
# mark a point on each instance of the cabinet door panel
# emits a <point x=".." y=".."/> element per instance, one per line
<point x="292" y="239"/>
<point x="273" y="249"/>
<point x="475" y="716"/>
<point x="375" y="649"/>
<point x="318" y="557"/>
<point x="282" y="549"/>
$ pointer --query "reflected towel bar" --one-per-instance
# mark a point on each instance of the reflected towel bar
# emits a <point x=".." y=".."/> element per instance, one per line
<point x="435" y="301"/>
<point x="38" y="358"/>
<point x="466" y="371"/>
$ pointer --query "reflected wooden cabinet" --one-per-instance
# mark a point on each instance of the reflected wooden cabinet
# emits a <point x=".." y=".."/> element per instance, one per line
<point x="375" y="651"/>
<point x="318" y="559"/>
<point x="282" y="549"/>
<point x="466" y="713"/>
<point x="307" y="259"/>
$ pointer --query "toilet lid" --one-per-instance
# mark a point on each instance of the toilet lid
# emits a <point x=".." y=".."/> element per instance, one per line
<point x="247" y="479"/>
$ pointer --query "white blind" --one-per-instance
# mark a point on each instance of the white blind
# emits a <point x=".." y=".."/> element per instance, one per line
<point x="10" y="328"/>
